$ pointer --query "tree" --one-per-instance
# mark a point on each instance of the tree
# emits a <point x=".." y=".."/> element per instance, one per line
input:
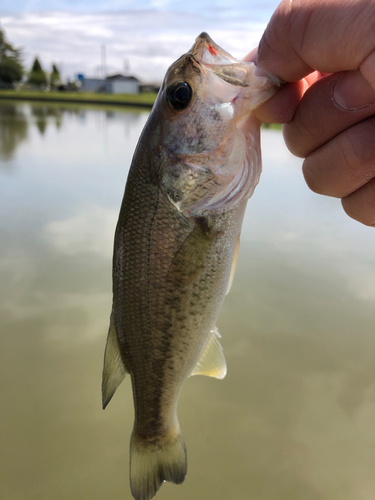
<point x="11" y="70"/>
<point x="37" y="76"/>
<point x="54" y="77"/>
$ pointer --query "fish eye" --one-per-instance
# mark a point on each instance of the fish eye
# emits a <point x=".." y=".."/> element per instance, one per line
<point x="179" y="95"/>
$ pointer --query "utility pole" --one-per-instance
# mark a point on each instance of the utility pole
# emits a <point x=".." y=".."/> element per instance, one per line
<point x="104" y="69"/>
<point x="126" y="66"/>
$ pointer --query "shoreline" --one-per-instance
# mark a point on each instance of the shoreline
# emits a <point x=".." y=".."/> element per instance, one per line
<point x="145" y="101"/>
<point x="134" y="100"/>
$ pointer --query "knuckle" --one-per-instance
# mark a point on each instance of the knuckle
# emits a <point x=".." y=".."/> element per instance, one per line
<point x="360" y="141"/>
<point x="293" y="140"/>
<point x="306" y="131"/>
<point x="311" y="178"/>
<point x="360" y="205"/>
<point x="343" y="165"/>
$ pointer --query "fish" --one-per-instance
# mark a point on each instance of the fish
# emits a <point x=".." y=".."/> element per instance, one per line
<point x="196" y="164"/>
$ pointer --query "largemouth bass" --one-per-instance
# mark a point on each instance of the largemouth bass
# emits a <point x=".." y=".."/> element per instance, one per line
<point x="195" y="166"/>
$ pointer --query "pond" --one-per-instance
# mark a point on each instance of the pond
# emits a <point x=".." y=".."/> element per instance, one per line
<point x="294" y="418"/>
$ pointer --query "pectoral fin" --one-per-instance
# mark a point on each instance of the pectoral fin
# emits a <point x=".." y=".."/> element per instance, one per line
<point x="114" y="369"/>
<point x="190" y="259"/>
<point x="234" y="263"/>
<point x="212" y="361"/>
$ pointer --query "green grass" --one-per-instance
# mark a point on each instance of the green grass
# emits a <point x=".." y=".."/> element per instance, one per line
<point x="146" y="99"/>
<point x="272" y="126"/>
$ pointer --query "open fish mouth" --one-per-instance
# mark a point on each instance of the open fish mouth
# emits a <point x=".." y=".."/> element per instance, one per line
<point x="207" y="51"/>
<point x="224" y="65"/>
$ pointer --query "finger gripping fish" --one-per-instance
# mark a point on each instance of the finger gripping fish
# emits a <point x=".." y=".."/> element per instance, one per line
<point x="195" y="166"/>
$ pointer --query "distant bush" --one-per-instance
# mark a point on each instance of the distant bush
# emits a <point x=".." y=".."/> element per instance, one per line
<point x="37" y="76"/>
<point x="54" y="78"/>
<point x="11" y="70"/>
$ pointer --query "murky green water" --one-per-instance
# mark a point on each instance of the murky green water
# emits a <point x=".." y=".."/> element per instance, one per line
<point x="295" y="417"/>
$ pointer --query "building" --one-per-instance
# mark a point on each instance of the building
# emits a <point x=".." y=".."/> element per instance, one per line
<point x="115" y="84"/>
<point x="120" y="84"/>
<point x="92" y="84"/>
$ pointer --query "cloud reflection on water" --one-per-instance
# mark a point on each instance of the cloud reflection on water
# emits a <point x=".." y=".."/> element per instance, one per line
<point x="90" y="231"/>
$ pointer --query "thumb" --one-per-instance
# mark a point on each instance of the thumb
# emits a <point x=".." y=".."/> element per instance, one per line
<point x="324" y="35"/>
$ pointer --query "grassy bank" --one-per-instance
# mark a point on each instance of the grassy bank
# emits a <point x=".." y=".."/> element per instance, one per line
<point x="145" y="100"/>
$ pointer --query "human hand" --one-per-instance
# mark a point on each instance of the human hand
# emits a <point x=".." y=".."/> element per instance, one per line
<point x="327" y="48"/>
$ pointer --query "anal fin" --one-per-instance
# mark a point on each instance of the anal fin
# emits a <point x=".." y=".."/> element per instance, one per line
<point x="114" y="369"/>
<point x="212" y="361"/>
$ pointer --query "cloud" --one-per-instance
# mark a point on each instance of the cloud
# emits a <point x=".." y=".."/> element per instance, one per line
<point x="149" y="39"/>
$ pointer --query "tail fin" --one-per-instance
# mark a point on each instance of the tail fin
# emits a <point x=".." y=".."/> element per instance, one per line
<point x="151" y="463"/>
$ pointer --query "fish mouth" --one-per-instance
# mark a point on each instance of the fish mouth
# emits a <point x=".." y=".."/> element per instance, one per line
<point x="206" y="51"/>
<point x="233" y="71"/>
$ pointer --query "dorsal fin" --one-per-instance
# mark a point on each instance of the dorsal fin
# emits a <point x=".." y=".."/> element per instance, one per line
<point x="212" y="361"/>
<point x="234" y="263"/>
<point x="114" y="369"/>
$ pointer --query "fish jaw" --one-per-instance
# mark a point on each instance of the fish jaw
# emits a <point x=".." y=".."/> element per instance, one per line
<point x="252" y="85"/>
<point x="206" y="50"/>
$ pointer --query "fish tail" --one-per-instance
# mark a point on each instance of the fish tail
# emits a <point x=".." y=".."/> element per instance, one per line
<point x="152" y="462"/>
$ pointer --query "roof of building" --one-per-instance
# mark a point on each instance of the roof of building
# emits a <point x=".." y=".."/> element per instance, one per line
<point x="118" y="76"/>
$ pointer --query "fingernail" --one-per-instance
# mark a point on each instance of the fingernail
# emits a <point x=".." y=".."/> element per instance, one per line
<point x="352" y="92"/>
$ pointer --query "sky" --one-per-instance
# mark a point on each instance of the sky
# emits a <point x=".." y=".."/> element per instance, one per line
<point x="145" y="36"/>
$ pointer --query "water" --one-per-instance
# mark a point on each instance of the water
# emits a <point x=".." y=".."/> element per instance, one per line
<point x="294" y="418"/>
